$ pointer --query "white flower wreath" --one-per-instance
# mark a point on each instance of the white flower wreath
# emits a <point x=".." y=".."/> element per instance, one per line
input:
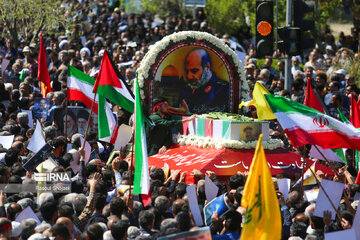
<point x="158" y="47"/>
<point x="208" y="142"/>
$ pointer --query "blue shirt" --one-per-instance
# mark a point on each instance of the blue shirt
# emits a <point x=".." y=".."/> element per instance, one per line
<point x="227" y="236"/>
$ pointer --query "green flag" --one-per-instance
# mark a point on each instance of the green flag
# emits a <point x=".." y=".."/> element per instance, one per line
<point x="356" y="152"/>
<point x="141" y="178"/>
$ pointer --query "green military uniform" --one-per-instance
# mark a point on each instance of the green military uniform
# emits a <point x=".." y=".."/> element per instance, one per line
<point x="160" y="134"/>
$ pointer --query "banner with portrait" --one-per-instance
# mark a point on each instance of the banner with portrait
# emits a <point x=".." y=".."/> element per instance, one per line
<point x="77" y="120"/>
<point x="41" y="108"/>
<point x="196" y="72"/>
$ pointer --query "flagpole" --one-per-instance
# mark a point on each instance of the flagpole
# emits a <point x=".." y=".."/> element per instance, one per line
<point x="354" y="158"/>
<point x="330" y="164"/>
<point x="327" y="196"/>
<point x="131" y="166"/>
<point x="303" y="171"/>
<point x="66" y="118"/>
<point x="133" y="144"/>
<point x="88" y="123"/>
<point x="332" y="167"/>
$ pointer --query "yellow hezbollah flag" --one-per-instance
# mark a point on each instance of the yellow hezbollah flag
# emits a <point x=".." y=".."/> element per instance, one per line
<point x="309" y="178"/>
<point x="263" y="219"/>
<point x="263" y="109"/>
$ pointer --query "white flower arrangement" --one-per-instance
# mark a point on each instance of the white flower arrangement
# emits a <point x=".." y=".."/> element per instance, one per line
<point x="208" y="142"/>
<point x="158" y="47"/>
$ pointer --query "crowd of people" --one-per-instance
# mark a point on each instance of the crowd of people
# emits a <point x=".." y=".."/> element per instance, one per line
<point x="99" y="205"/>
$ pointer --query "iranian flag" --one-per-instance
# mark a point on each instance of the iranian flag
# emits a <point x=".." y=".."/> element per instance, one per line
<point x="109" y="85"/>
<point x="305" y="125"/>
<point x="141" y="175"/>
<point x="80" y="88"/>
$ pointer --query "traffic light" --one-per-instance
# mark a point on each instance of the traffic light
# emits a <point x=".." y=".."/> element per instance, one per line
<point x="292" y="42"/>
<point x="264" y="28"/>
<point x="300" y="9"/>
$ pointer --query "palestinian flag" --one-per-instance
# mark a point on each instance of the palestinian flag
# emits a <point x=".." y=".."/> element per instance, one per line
<point x="79" y="88"/>
<point x="107" y="124"/>
<point x="109" y="85"/>
<point x="305" y="125"/>
<point x="141" y="175"/>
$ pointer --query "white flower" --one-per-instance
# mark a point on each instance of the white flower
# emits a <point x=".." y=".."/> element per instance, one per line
<point x="204" y="142"/>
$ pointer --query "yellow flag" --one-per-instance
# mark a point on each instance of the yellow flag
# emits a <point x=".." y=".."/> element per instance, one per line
<point x="41" y="184"/>
<point x="263" y="218"/>
<point x="309" y="178"/>
<point x="263" y="109"/>
<point x="166" y="169"/>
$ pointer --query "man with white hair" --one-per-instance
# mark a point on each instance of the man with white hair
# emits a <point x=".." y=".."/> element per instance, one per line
<point x="44" y="197"/>
<point x="23" y="120"/>
<point x="295" y="65"/>
<point x="265" y="77"/>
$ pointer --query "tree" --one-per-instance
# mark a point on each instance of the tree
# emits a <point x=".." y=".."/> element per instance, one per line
<point x="226" y="16"/>
<point x="163" y="7"/>
<point x="232" y="16"/>
<point x="26" y="18"/>
<point x="355" y="8"/>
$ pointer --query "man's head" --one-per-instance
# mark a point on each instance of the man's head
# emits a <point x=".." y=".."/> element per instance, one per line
<point x="334" y="86"/>
<point x="49" y="210"/>
<point x="298" y="229"/>
<point x="309" y="71"/>
<point x="295" y="61"/>
<point x="59" y="145"/>
<point x="321" y="78"/>
<point x="42" y="103"/>
<point x="198" y="68"/>
<point x="71" y="123"/>
<point x="67" y="222"/>
<point x="336" y="100"/>
<point x="161" y="105"/>
<point x="264" y="74"/>
<point x="117" y="206"/>
<point x="5" y="227"/>
<point x="268" y="61"/>
<point x="12" y="210"/>
<point x="23" y="118"/>
<point x="248" y="132"/>
<point x="119" y="229"/>
<point x="60" y="231"/>
<point x="82" y="120"/>
<point x="349" y="79"/>
<point x="146" y="219"/>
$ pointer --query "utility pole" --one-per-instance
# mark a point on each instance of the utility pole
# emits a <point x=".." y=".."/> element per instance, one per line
<point x="288" y="76"/>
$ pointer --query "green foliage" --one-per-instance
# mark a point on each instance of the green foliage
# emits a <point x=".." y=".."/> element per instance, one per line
<point x="352" y="67"/>
<point x="261" y="62"/>
<point x="131" y="6"/>
<point x="163" y="7"/>
<point x="26" y="18"/>
<point x="226" y="16"/>
<point x="230" y="16"/>
<point x="326" y="9"/>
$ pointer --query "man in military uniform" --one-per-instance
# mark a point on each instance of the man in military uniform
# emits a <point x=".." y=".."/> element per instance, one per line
<point x="204" y="92"/>
<point x="159" y="137"/>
